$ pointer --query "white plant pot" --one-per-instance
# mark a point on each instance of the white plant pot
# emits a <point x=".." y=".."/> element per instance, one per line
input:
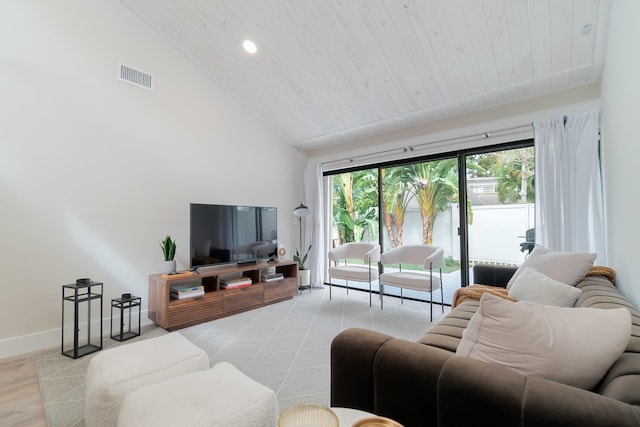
<point x="168" y="267"/>
<point x="304" y="277"/>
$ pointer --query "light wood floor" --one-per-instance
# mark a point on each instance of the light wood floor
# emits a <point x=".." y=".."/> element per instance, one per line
<point x="20" y="399"/>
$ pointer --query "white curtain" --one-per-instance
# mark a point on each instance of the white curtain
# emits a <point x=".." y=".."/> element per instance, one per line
<point x="569" y="198"/>
<point x="314" y="222"/>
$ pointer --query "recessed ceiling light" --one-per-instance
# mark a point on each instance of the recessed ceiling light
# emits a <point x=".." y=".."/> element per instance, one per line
<point x="249" y="46"/>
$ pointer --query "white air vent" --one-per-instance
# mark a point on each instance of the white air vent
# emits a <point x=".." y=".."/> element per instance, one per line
<point x="135" y="77"/>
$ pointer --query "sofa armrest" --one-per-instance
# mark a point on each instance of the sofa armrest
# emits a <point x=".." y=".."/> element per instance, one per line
<point x="387" y="376"/>
<point x="352" y="355"/>
<point x="495" y="275"/>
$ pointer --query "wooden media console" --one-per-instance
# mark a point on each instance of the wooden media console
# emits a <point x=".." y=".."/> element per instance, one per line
<point x="173" y="313"/>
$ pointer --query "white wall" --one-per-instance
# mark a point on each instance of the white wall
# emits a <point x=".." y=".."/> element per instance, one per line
<point x="621" y="136"/>
<point x="94" y="172"/>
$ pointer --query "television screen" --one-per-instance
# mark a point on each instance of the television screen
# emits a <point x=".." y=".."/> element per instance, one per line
<point x="226" y="234"/>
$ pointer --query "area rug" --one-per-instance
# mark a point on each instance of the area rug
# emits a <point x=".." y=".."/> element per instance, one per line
<point x="62" y="379"/>
<point x="285" y="346"/>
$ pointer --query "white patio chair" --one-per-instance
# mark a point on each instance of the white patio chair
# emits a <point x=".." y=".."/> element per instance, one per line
<point x="367" y="252"/>
<point x="427" y="257"/>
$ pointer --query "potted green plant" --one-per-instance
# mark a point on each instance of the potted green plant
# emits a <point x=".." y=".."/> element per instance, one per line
<point x="169" y="251"/>
<point x="303" y="273"/>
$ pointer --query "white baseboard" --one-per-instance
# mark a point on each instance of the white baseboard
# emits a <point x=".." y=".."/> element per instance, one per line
<point x="16" y="346"/>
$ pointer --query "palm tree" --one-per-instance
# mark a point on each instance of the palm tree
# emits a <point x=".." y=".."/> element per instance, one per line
<point x="355" y="200"/>
<point x="403" y="197"/>
<point x="395" y="199"/>
<point x="343" y="206"/>
<point x="434" y="185"/>
<point x="388" y="199"/>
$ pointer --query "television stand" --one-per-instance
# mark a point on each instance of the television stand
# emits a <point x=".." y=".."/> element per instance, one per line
<point x="172" y="313"/>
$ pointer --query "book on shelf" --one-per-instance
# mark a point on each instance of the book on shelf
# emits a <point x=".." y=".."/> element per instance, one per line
<point x="235" y="285"/>
<point x="236" y="281"/>
<point x="272" y="277"/>
<point x="268" y="270"/>
<point x="187" y="288"/>
<point x="187" y="294"/>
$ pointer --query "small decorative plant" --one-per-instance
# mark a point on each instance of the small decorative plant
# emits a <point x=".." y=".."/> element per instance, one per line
<point x="168" y="248"/>
<point x="301" y="259"/>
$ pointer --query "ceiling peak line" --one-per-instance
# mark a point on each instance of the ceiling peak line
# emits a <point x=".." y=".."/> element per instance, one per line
<point x="416" y="147"/>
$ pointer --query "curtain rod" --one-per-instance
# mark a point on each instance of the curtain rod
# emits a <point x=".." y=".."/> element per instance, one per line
<point x="484" y="135"/>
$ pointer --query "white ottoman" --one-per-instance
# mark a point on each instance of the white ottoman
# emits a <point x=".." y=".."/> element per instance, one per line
<point x="221" y="396"/>
<point x="114" y="373"/>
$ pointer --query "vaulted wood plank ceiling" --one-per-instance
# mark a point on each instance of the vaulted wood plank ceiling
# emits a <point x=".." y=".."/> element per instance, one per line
<point x="330" y="71"/>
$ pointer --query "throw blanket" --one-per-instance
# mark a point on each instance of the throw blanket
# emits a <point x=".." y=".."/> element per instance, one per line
<point x="601" y="270"/>
<point x="476" y="291"/>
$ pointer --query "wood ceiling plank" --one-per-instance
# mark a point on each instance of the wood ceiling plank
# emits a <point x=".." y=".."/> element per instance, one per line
<point x="540" y="33"/>
<point x="520" y="36"/>
<point x="402" y="44"/>
<point x="583" y="46"/>
<point x="344" y="57"/>
<point x="477" y="24"/>
<point x="463" y="43"/>
<point x="331" y="70"/>
<point x="445" y="52"/>
<point x="430" y="49"/>
<point x="561" y="24"/>
<point x="359" y="69"/>
<point x="498" y="23"/>
<point x="386" y="65"/>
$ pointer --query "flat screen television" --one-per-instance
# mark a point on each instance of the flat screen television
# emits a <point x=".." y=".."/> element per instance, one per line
<point x="228" y="234"/>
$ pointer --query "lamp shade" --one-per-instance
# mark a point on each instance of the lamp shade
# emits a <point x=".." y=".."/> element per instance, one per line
<point x="301" y="210"/>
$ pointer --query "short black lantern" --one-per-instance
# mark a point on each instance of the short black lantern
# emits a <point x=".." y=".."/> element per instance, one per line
<point x="129" y="326"/>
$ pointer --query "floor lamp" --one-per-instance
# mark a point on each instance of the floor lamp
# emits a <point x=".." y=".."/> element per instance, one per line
<point x="302" y="211"/>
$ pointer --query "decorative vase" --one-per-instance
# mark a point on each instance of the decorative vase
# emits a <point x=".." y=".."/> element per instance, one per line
<point x="168" y="266"/>
<point x="305" y="278"/>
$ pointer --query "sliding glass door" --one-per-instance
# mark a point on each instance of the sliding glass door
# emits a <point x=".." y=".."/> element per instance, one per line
<point x="477" y="205"/>
<point x="501" y="195"/>
<point x="420" y="207"/>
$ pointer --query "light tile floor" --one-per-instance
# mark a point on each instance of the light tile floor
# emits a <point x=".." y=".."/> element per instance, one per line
<point x="284" y="346"/>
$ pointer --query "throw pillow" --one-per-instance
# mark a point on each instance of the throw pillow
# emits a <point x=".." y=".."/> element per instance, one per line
<point x="565" y="267"/>
<point x="533" y="286"/>
<point x="574" y="346"/>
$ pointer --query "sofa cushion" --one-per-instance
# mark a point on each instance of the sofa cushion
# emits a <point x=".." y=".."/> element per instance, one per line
<point x="533" y="286"/>
<point x="565" y="267"/>
<point x="574" y="346"/>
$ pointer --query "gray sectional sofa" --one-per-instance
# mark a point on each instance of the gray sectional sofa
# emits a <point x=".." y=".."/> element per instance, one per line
<point x="425" y="383"/>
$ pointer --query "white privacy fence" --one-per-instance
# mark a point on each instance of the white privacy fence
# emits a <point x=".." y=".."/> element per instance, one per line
<point x="494" y="236"/>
